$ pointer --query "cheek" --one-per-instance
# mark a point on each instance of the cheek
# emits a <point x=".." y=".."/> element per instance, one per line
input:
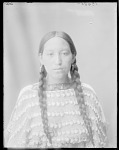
<point x="47" y="63"/>
<point x="67" y="63"/>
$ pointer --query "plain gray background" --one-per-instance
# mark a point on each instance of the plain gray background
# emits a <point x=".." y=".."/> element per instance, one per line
<point x="92" y="27"/>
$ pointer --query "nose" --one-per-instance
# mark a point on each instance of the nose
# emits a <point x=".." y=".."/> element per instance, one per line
<point x="58" y="60"/>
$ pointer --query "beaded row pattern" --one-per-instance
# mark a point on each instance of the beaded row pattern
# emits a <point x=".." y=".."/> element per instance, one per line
<point x="76" y="131"/>
<point x="50" y="114"/>
<point x="54" y="125"/>
<point x="60" y="93"/>
<point x="61" y="133"/>
<point x="57" y="142"/>
<point x="62" y="139"/>
<point x="56" y="103"/>
<point x="26" y="97"/>
<point x="18" y="129"/>
<point x="28" y="106"/>
<point x="51" y="95"/>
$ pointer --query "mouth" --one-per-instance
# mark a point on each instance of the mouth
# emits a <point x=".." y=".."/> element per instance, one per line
<point x="58" y="69"/>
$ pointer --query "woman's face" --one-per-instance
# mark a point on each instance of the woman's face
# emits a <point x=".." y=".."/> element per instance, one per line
<point x="57" y="57"/>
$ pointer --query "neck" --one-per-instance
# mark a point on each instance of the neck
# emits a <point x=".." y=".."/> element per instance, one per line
<point x="57" y="81"/>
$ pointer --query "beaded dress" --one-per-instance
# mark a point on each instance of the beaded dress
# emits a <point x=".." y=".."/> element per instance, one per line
<point x="25" y="128"/>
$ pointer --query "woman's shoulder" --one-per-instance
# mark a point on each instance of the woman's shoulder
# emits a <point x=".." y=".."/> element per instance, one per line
<point x="92" y="100"/>
<point x="88" y="88"/>
<point x="26" y="100"/>
<point x="27" y="92"/>
<point x="29" y="89"/>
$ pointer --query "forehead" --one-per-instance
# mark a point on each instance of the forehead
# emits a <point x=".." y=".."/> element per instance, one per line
<point x="56" y="43"/>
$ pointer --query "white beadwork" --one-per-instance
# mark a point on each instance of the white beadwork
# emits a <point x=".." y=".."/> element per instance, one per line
<point x="92" y="96"/>
<point x="35" y="125"/>
<point x="84" y="85"/>
<point x="33" y="134"/>
<point x="48" y="95"/>
<point x="67" y="132"/>
<point x="66" y="139"/>
<point x="58" y="94"/>
<point x="48" y="144"/>
<point x="59" y="125"/>
<point x="56" y="114"/>
<point x="59" y="133"/>
<point x="72" y="93"/>
<point x="63" y="132"/>
<point x="66" y="102"/>
<point x="51" y="95"/>
<point x="71" y="141"/>
<point x="19" y="128"/>
<point x="101" y="131"/>
<point x="34" y="115"/>
<point x="69" y="100"/>
<point x="17" y="116"/>
<point x="63" y="124"/>
<point x="53" y="114"/>
<point x="62" y="103"/>
<point x="88" y="104"/>
<point x="73" y="113"/>
<point x="58" y="139"/>
<point x="53" y="103"/>
<point x="55" y="126"/>
<point x="63" y="94"/>
<point x="61" y="114"/>
<point x="58" y="103"/>
<point x="67" y="93"/>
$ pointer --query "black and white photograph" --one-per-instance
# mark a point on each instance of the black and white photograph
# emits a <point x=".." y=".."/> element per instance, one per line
<point x="60" y="75"/>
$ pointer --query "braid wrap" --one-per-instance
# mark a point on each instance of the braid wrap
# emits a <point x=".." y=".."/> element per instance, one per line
<point x="43" y="104"/>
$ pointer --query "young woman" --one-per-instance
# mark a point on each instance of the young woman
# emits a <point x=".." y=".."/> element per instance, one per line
<point x="59" y="110"/>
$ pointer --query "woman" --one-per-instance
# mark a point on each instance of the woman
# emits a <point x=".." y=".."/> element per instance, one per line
<point x="59" y="111"/>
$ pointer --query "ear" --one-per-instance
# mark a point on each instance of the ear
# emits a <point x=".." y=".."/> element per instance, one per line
<point x="73" y="58"/>
<point x="41" y="59"/>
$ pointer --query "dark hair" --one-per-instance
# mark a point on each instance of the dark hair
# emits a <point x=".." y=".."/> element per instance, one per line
<point x="63" y="35"/>
<point x="77" y="85"/>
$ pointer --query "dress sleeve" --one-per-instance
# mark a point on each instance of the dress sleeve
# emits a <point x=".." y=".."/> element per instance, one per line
<point x="96" y="115"/>
<point x="14" y="134"/>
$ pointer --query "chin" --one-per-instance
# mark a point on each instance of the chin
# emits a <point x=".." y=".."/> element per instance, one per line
<point x="58" y="76"/>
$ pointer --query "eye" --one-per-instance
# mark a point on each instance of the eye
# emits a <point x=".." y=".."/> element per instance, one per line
<point x="65" y="53"/>
<point x="50" y="54"/>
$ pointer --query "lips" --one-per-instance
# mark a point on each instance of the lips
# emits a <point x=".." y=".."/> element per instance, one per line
<point x="58" y="69"/>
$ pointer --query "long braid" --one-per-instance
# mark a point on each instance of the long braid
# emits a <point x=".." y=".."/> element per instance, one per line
<point x="80" y="98"/>
<point x="43" y="104"/>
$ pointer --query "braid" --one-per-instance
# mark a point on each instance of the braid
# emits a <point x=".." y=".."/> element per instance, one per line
<point x="43" y="104"/>
<point x="80" y="98"/>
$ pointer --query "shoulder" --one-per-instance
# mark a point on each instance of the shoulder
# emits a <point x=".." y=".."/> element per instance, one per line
<point x="32" y="88"/>
<point x="89" y="94"/>
<point x="26" y="96"/>
<point x="27" y="100"/>
<point x="24" y="90"/>
<point x="92" y="100"/>
<point x="88" y="89"/>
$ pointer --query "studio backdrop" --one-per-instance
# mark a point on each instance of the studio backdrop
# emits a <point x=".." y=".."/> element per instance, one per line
<point x="93" y="29"/>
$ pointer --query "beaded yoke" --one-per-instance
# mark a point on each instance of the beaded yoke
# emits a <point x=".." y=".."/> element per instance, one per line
<point x="25" y="128"/>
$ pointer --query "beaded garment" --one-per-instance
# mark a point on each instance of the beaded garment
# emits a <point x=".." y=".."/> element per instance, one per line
<point x="66" y="124"/>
